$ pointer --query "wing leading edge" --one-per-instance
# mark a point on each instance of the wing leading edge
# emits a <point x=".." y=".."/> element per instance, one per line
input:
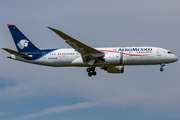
<point x="88" y="53"/>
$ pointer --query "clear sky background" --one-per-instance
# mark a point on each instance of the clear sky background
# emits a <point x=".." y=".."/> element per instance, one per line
<point x="33" y="92"/>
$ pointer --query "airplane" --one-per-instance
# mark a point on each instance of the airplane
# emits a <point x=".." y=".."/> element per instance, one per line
<point x="110" y="59"/>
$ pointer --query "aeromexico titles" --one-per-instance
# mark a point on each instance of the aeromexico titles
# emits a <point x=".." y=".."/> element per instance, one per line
<point x="111" y="59"/>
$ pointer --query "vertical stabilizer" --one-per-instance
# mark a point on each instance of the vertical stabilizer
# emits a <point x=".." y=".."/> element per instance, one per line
<point x="22" y="43"/>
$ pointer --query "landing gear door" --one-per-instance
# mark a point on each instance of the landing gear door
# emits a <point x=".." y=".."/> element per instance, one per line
<point x="158" y="52"/>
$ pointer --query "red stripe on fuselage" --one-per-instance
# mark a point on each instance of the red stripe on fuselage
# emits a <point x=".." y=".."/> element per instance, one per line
<point x="124" y="53"/>
<point x="135" y="54"/>
<point x="109" y="51"/>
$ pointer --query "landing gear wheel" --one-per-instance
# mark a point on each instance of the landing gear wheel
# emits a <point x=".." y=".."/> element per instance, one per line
<point x="91" y="71"/>
<point x="88" y="69"/>
<point x="94" y="73"/>
<point x="162" y="65"/>
<point x="90" y="74"/>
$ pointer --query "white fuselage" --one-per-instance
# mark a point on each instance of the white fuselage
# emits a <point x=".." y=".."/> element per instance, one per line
<point x="131" y="56"/>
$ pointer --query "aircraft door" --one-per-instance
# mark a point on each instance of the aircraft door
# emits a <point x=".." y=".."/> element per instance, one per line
<point x="158" y="52"/>
<point x="43" y="54"/>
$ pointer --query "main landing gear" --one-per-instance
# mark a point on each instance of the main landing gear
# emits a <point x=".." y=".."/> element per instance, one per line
<point x="91" y="71"/>
<point x="162" y="65"/>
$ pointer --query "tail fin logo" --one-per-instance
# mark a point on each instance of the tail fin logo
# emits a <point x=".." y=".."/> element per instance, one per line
<point x="22" y="44"/>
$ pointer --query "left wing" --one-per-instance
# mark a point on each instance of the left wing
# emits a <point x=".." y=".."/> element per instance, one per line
<point x="88" y="53"/>
<point x="15" y="53"/>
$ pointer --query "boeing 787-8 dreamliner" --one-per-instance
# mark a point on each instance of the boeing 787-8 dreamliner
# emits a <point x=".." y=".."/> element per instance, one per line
<point x="111" y="59"/>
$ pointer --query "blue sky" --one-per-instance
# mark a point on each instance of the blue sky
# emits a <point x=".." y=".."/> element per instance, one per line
<point x="33" y="92"/>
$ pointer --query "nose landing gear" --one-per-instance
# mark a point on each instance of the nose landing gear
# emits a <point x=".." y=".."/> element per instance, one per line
<point x="162" y="65"/>
<point x="91" y="71"/>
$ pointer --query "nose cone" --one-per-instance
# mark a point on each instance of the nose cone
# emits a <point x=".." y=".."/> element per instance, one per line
<point x="174" y="58"/>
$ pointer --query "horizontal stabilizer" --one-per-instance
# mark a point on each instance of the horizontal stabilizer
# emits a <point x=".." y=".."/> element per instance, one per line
<point x="15" y="53"/>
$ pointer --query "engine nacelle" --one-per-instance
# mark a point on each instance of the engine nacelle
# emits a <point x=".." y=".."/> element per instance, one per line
<point x="114" y="69"/>
<point x="116" y="58"/>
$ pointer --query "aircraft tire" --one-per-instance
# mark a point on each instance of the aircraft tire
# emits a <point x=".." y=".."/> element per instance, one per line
<point x="94" y="73"/>
<point x="88" y="69"/>
<point x="90" y="74"/>
<point x="93" y="68"/>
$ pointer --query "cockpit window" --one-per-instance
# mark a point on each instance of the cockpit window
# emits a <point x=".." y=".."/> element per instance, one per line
<point x="169" y="52"/>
